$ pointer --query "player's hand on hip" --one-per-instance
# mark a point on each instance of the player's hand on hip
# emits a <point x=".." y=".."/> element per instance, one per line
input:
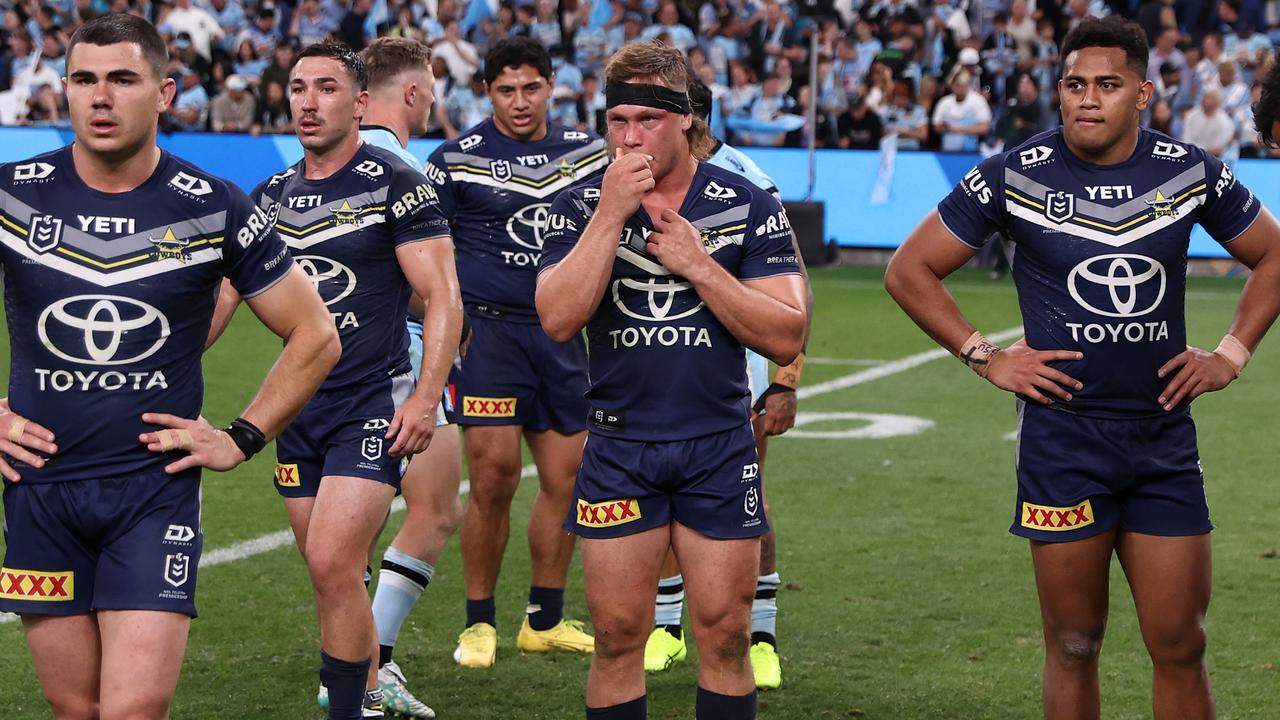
<point x="1198" y="372"/>
<point x="779" y="413"/>
<point x="18" y="437"/>
<point x="1020" y="369"/>
<point x="413" y="426"/>
<point x="676" y="243"/>
<point x="625" y="182"/>
<point x="205" y="445"/>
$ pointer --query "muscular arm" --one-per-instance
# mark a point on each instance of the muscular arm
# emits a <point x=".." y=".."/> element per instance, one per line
<point x="569" y="292"/>
<point x="428" y="265"/>
<point x="1259" y="249"/>
<point x="225" y="309"/>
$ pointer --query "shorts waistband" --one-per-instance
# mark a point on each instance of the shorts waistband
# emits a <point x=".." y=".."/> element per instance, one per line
<point x="497" y="312"/>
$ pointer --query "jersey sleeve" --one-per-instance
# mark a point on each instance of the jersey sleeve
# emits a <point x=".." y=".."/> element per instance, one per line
<point x="437" y="171"/>
<point x="767" y="245"/>
<point x="254" y="256"/>
<point x="1229" y="208"/>
<point x="413" y="208"/>
<point x="973" y="210"/>
<point x="566" y="220"/>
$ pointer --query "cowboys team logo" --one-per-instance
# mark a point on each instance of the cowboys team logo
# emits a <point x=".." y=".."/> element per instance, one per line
<point x="1161" y="206"/>
<point x="169" y="247"/>
<point x="45" y="233"/>
<point x="1059" y="205"/>
<point x="177" y="569"/>
<point x="525" y="228"/>
<point x="566" y="169"/>
<point x="344" y="214"/>
<point x="501" y="170"/>
<point x="1119" y="285"/>
<point x="655" y="299"/>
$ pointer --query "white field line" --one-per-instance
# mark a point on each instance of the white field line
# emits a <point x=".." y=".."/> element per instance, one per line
<point x="280" y="538"/>
<point x="809" y="360"/>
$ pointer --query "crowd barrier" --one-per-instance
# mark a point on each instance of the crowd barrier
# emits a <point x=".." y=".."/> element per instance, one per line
<point x="871" y="200"/>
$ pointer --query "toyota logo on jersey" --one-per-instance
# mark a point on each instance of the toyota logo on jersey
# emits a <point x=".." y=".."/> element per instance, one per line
<point x="102" y="329"/>
<point x="1119" y="285"/>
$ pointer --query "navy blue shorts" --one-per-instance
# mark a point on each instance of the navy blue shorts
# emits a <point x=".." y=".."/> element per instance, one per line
<point x="128" y="543"/>
<point x="342" y="432"/>
<point x="710" y="484"/>
<point x="1082" y="476"/>
<point x="514" y="374"/>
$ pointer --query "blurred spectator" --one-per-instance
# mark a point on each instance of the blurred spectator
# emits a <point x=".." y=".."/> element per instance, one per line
<point x="1170" y="88"/>
<point x="273" y="113"/>
<point x="1022" y="28"/>
<point x="546" y="28"/>
<point x="590" y="105"/>
<point x="589" y="43"/>
<point x="962" y="117"/>
<point x="1166" y="52"/>
<point x="467" y="106"/>
<point x="1206" y="70"/>
<point x="277" y="73"/>
<point x="190" y="109"/>
<point x="629" y="29"/>
<point x="458" y="54"/>
<point x="770" y="36"/>
<point x="999" y="58"/>
<point x="743" y="90"/>
<point x="767" y="106"/>
<point x="230" y="18"/>
<point x="1044" y="63"/>
<point x="53" y="54"/>
<point x="1024" y="114"/>
<point x="1235" y="94"/>
<point x="247" y="63"/>
<point x="263" y="33"/>
<point x="1208" y="126"/>
<point x="667" y="21"/>
<point x="234" y="109"/>
<point x="352" y="28"/>
<point x="310" y="23"/>
<point x="1163" y="120"/>
<point x="905" y="119"/>
<point x="197" y="23"/>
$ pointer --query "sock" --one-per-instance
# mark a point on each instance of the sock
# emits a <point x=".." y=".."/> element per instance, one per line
<point x="482" y="611"/>
<point x="368" y="576"/>
<point x="400" y="583"/>
<point x="714" y="706"/>
<point x="345" y="680"/>
<point x="635" y="710"/>
<point x="764" y="610"/>
<point x="546" y="607"/>
<point x="670" y="604"/>
<point x="373" y="706"/>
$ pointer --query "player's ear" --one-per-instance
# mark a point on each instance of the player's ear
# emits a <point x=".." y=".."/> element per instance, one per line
<point x="168" y="89"/>
<point x="410" y="94"/>
<point x="686" y="121"/>
<point x="1145" y="91"/>
<point x="362" y="104"/>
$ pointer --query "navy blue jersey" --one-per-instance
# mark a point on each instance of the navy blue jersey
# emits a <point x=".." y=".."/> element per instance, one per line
<point x="662" y="366"/>
<point x="344" y="231"/>
<point x="496" y="191"/>
<point x="1099" y="253"/>
<point x="109" y="297"/>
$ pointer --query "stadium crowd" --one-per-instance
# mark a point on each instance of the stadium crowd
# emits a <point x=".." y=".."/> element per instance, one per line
<point x="958" y="75"/>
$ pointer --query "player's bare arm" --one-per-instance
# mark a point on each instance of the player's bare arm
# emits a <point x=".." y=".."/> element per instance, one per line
<point x="914" y="279"/>
<point x="294" y="311"/>
<point x="569" y="292"/>
<point x="767" y="314"/>
<point x="1196" y="371"/>
<point x="429" y="268"/>
<point x="223" y="311"/>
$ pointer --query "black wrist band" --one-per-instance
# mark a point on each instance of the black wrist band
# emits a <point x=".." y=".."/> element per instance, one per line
<point x="246" y="436"/>
<point x="773" y="389"/>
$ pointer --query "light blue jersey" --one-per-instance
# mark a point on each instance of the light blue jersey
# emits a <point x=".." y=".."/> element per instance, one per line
<point x="379" y="136"/>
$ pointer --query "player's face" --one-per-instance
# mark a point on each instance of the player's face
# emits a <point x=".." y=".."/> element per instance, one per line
<point x="327" y="105"/>
<point x="1102" y="98"/>
<point x="657" y="133"/>
<point x="426" y="83"/>
<point x="519" y="96"/>
<point x="115" y="98"/>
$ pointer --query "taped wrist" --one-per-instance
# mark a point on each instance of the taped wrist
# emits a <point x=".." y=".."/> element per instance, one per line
<point x="1234" y="352"/>
<point x="976" y="352"/>
<point x="773" y="389"/>
<point x="246" y="436"/>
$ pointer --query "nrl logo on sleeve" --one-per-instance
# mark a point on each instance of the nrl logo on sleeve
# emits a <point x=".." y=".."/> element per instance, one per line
<point x="608" y="513"/>
<point x="45" y="233"/>
<point x="1059" y="205"/>
<point x="280" y="177"/>
<point x="190" y="184"/>
<point x="500" y="169"/>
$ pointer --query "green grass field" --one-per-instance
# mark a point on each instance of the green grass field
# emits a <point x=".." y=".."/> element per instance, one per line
<point x="905" y="598"/>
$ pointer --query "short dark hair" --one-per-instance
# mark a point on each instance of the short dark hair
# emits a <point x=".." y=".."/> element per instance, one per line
<point x="116" y="28"/>
<point x="1113" y="31"/>
<point x="344" y="55"/>
<point x="387" y="57"/>
<point x="514" y="52"/>
<point x="1266" y="112"/>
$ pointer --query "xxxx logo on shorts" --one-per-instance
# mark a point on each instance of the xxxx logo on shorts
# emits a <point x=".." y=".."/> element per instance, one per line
<point x="1057" y="519"/>
<point x="287" y="475"/>
<point x="608" y="513"/>
<point x="474" y="406"/>
<point x="36" y="585"/>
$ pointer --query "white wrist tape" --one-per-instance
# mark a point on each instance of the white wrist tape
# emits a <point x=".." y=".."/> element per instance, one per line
<point x="976" y="352"/>
<point x="1234" y="352"/>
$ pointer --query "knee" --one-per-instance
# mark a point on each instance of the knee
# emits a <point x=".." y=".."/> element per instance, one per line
<point x="449" y="517"/>
<point x="619" y="636"/>
<point x="1076" y="649"/>
<point x="73" y="708"/>
<point x="1183" y="646"/>
<point x="490" y="495"/>
<point x="332" y="572"/>
<point x="724" y="639"/>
